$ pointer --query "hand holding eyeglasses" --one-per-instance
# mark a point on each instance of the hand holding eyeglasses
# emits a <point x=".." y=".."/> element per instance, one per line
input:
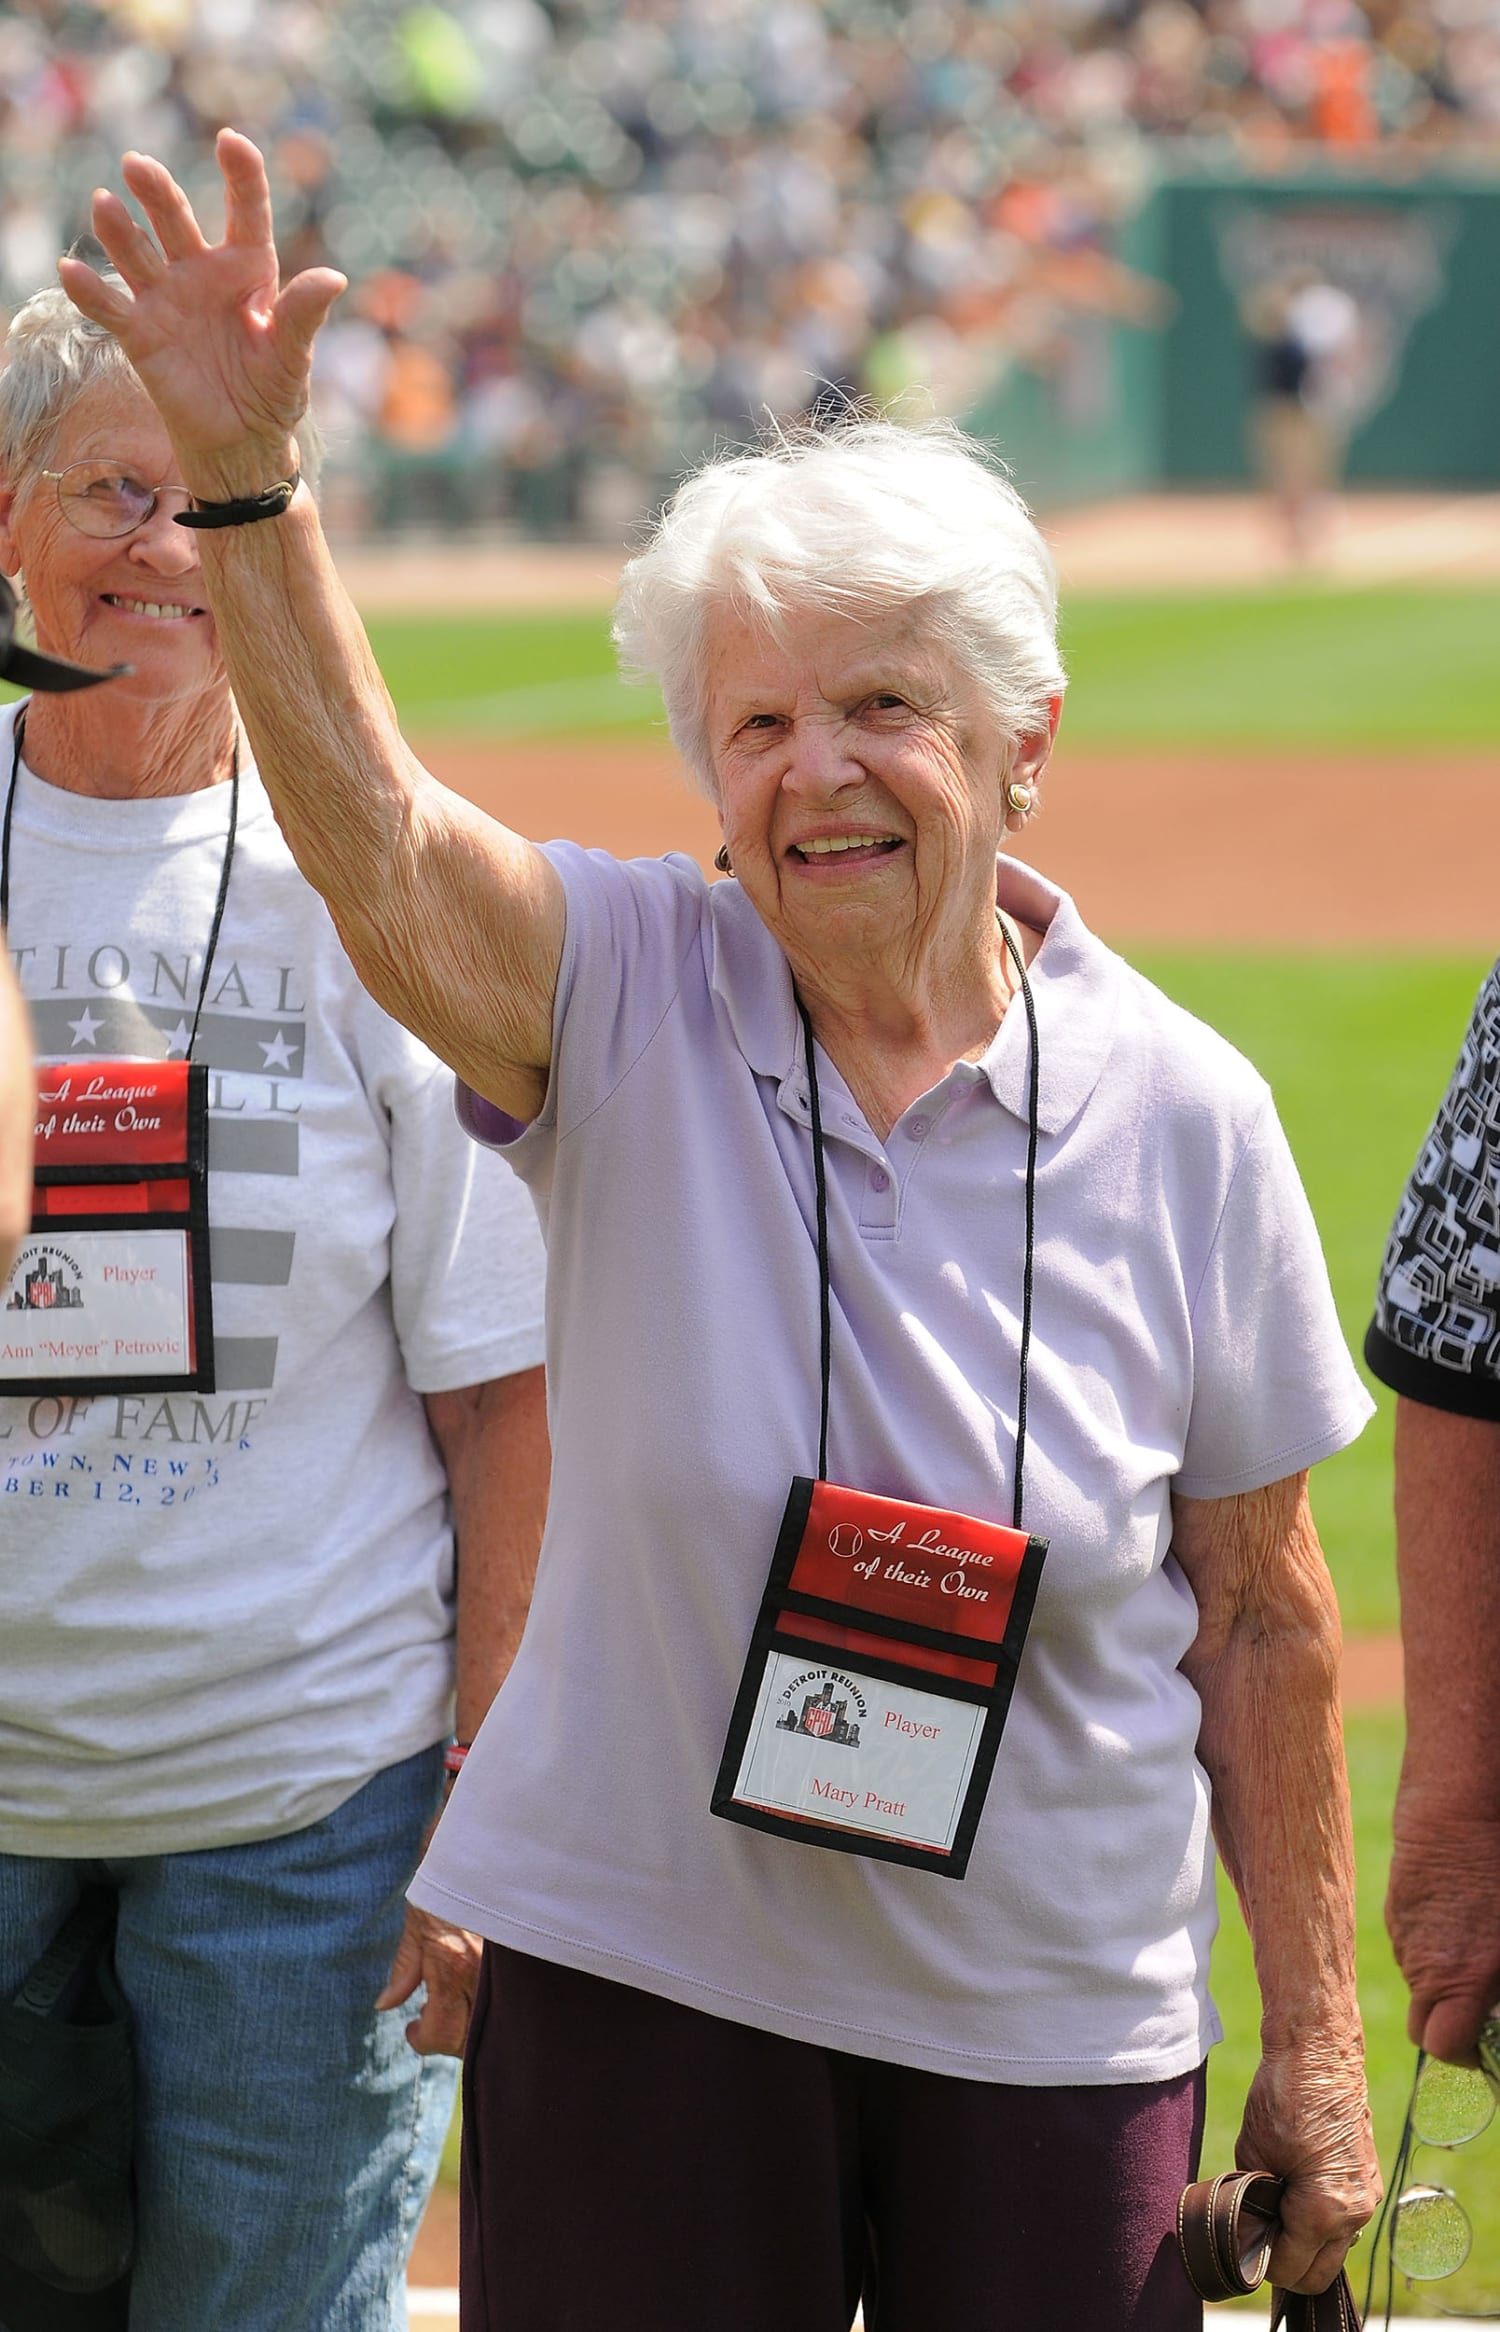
<point x="1424" y="2228"/>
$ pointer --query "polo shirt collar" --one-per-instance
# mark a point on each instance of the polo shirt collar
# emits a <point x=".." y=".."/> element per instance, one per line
<point x="1075" y="985"/>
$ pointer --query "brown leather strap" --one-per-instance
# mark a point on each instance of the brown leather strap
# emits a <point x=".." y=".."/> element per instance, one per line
<point x="1330" y="2311"/>
<point x="1226" y="2227"/>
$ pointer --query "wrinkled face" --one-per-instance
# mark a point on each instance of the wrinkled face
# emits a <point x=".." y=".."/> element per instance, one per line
<point x="859" y="778"/>
<point x="133" y="599"/>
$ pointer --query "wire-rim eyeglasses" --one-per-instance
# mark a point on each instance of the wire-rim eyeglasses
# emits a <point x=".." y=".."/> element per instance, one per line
<point x="104" y="499"/>
<point x="1424" y="2232"/>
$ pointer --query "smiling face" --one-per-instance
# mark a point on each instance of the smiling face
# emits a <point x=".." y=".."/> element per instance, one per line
<point x="134" y="599"/>
<point x="860" y="780"/>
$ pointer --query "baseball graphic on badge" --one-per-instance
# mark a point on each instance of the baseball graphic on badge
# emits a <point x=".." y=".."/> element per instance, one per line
<point x="845" y="1540"/>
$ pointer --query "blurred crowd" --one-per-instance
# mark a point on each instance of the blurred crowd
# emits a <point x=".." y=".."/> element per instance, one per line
<point x="587" y="238"/>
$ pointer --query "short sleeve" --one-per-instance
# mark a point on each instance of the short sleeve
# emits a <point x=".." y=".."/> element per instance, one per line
<point x="1274" y="1388"/>
<point x="630" y="927"/>
<point x="1435" y="1336"/>
<point x="468" y="1267"/>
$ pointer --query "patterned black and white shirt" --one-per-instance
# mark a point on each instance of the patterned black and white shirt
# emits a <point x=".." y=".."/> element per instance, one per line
<point x="1436" y="1332"/>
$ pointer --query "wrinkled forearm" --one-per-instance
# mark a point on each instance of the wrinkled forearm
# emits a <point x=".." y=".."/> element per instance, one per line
<point x="494" y="1444"/>
<point x="1266" y="1663"/>
<point x="1273" y="1749"/>
<point x="452" y="922"/>
<point x="1443" y="1897"/>
<point x="1448" y="1559"/>
<point x="1266" y="1668"/>
<point x="316" y="710"/>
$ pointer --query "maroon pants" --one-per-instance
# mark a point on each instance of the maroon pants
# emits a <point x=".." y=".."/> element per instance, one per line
<point x="633" y="2166"/>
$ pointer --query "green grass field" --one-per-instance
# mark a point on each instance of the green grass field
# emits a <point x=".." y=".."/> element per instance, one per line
<point x="1356" y="1046"/>
<point x="1325" y="670"/>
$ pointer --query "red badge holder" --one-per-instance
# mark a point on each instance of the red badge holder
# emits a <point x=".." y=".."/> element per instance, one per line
<point x="879" y="1677"/>
<point x="111" y="1291"/>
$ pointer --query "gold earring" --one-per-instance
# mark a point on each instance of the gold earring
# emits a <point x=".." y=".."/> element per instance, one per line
<point x="721" y="859"/>
<point x="1020" y="799"/>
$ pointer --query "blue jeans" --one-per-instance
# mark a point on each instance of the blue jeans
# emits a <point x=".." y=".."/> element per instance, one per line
<point x="287" y="2135"/>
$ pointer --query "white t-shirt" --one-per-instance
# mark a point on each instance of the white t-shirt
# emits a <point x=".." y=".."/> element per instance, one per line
<point x="1184" y="1336"/>
<point x="221" y="1613"/>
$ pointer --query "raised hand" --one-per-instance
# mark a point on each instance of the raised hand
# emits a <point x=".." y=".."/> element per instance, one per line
<point x="223" y="350"/>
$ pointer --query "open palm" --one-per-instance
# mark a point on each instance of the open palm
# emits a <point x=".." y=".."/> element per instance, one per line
<point x="224" y="352"/>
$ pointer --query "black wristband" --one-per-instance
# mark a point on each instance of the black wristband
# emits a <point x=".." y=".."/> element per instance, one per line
<point x="271" y="504"/>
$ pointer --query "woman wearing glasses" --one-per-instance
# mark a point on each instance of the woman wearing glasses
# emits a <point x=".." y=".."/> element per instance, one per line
<point x="272" y="1332"/>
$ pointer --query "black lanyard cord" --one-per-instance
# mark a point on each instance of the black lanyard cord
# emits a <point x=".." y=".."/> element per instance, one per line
<point x="216" y="924"/>
<point x="1028" y="1273"/>
<point x="825" y="1277"/>
<point x="1028" y="1267"/>
<point x="224" y="871"/>
<point x="10" y="805"/>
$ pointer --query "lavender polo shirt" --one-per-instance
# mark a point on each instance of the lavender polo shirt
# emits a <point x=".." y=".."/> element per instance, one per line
<point x="1184" y="1336"/>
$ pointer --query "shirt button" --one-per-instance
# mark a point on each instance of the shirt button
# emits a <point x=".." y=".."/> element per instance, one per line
<point x="919" y="1128"/>
<point x="879" y="1179"/>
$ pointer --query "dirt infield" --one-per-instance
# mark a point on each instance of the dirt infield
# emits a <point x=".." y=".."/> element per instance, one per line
<point x="1228" y="848"/>
<point x="1158" y="542"/>
<point x="1220" y="849"/>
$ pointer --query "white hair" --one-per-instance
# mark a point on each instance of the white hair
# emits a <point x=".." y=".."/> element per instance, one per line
<point x="53" y="356"/>
<point x="861" y="517"/>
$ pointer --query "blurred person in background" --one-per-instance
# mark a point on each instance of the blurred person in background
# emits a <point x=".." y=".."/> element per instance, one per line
<point x="841" y="1156"/>
<point x="1306" y="332"/>
<point x="1435" y="1340"/>
<point x="229" y="1618"/>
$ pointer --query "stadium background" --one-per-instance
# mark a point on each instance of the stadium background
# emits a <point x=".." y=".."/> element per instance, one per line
<point x="588" y="240"/>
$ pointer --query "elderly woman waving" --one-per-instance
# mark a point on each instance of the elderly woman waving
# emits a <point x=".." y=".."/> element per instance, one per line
<point x="938" y="1344"/>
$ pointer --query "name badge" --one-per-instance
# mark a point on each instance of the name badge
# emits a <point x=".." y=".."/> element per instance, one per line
<point x="879" y="1677"/>
<point x="111" y="1291"/>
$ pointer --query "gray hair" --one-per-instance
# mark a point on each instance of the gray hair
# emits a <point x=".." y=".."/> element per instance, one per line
<point x="53" y="356"/>
<point x="862" y="516"/>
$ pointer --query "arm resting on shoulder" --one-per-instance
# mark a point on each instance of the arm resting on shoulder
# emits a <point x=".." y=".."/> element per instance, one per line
<point x="493" y="1440"/>
<point x="1443" y="1907"/>
<point x="1265" y="1665"/>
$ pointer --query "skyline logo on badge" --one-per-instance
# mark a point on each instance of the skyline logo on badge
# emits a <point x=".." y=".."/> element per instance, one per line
<point x="37" y="1288"/>
<point x="822" y="1716"/>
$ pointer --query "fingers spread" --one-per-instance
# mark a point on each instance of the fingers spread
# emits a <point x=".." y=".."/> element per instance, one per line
<point x="247" y="192"/>
<point x="165" y="205"/>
